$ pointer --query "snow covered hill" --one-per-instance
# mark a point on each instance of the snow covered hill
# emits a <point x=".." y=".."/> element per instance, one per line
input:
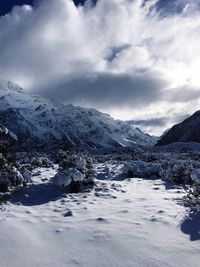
<point x="45" y="123"/>
<point x="186" y="131"/>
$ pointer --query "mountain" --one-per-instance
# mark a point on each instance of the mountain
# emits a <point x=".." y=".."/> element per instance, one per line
<point x="40" y="122"/>
<point x="186" y="131"/>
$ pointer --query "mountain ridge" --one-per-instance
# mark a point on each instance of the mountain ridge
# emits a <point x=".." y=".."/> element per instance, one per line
<point x="185" y="131"/>
<point x="39" y="121"/>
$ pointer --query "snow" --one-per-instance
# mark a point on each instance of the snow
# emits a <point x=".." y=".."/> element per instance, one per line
<point x="120" y="219"/>
<point x="52" y="122"/>
<point x="135" y="222"/>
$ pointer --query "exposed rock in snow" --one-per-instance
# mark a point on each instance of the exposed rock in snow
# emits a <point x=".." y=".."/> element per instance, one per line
<point x="39" y="123"/>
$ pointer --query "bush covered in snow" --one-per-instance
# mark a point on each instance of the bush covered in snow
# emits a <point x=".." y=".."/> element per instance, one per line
<point x="11" y="177"/>
<point x="193" y="196"/>
<point x="142" y="169"/>
<point x="75" y="171"/>
<point x="12" y="174"/>
<point x="70" y="179"/>
<point x="178" y="171"/>
<point x="33" y="159"/>
<point x="41" y="161"/>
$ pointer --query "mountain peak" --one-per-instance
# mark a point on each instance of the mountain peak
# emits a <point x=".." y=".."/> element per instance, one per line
<point x="9" y="85"/>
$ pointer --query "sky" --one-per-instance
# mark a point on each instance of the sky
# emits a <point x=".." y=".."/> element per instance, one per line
<point x="136" y="60"/>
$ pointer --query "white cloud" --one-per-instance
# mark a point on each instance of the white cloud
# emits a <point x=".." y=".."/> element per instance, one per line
<point x="117" y="40"/>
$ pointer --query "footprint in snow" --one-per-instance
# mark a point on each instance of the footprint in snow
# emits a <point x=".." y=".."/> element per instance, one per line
<point x="101" y="220"/>
<point x="154" y="219"/>
<point x="128" y="200"/>
<point x="68" y="213"/>
<point x="59" y="230"/>
<point x="124" y="211"/>
<point x="161" y="211"/>
<point x="156" y="188"/>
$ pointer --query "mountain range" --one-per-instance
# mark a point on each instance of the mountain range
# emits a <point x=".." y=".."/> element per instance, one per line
<point x="44" y="123"/>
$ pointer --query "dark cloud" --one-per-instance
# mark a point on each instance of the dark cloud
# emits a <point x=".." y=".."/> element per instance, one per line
<point x="156" y="125"/>
<point x="156" y="122"/>
<point x="109" y="90"/>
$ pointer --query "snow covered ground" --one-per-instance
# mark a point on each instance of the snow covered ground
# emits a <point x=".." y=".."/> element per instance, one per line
<point x="130" y="223"/>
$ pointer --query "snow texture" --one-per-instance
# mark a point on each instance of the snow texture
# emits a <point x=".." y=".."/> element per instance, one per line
<point x="128" y="223"/>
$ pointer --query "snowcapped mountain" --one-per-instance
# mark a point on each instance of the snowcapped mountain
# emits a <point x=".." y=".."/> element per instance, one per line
<point x="186" y="131"/>
<point x="42" y="122"/>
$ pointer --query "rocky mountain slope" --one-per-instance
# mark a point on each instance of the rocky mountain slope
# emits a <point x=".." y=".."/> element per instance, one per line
<point x="7" y="139"/>
<point x="186" y="131"/>
<point x="43" y="123"/>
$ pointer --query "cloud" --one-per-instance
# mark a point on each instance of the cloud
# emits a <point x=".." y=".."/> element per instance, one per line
<point x="182" y="94"/>
<point x="105" y="90"/>
<point x="167" y="7"/>
<point x="155" y="122"/>
<point x="140" y="56"/>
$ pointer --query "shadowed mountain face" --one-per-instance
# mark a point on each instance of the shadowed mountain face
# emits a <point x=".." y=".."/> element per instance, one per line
<point x="40" y="122"/>
<point x="186" y="131"/>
